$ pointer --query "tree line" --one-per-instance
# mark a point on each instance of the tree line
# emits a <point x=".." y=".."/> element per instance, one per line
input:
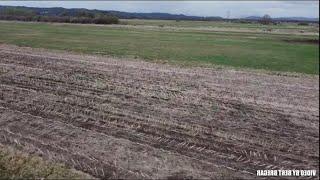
<point x="82" y="16"/>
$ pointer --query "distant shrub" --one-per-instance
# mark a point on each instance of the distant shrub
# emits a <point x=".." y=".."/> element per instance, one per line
<point x="244" y="21"/>
<point x="17" y="18"/>
<point x="303" y="24"/>
<point x="106" y="20"/>
<point x="81" y="20"/>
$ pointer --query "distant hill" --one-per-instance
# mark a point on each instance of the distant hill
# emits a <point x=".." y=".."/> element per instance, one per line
<point x="160" y="16"/>
<point x="298" y="19"/>
<point x="289" y="19"/>
<point x="57" y="11"/>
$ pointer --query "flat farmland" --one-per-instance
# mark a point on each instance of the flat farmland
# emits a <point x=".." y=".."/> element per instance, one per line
<point x="197" y="44"/>
<point x="120" y="118"/>
<point x="282" y="27"/>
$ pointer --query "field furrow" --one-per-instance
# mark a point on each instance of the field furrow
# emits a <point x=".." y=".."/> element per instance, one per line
<point x="124" y="119"/>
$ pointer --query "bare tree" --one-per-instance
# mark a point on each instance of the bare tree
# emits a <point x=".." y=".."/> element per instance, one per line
<point x="266" y="19"/>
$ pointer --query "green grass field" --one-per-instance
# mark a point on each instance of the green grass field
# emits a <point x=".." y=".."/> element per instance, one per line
<point x="184" y="47"/>
<point x="221" y="24"/>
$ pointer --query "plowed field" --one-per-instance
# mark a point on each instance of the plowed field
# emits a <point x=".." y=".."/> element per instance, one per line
<point x="114" y="118"/>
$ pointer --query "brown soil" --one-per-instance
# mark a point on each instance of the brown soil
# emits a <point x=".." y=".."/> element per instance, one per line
<point x="303" y="41"/>
<point x="115" y="118"/>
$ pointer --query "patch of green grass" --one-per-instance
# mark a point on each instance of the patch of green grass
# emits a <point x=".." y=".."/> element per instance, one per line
<point x="220" y="24"/>
<point x="185" y="47"/>
<point x="15" y="165"/>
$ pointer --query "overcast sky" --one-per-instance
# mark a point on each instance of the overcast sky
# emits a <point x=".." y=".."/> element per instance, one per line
<point x="198" y="8"/>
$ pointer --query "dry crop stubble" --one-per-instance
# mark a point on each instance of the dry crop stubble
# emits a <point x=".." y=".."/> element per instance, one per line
<point x="132" y="119"/>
